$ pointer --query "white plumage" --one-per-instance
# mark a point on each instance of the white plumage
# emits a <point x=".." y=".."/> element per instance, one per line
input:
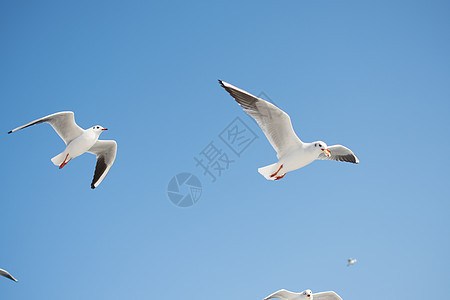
<point x="79" y="141"/>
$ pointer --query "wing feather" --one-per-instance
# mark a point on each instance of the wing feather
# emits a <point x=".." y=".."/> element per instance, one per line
<point x="7" y="275"/>
<point x="106" y="154"/>
<point x="275" y="123"/>
<point x="340" y="153"/>
<point x="62" y="122"/>
<point x="326" y="296"/>
<point x="283" y="295"/>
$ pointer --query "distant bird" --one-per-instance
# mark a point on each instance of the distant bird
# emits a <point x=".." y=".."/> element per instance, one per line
<point x="305" y="295"/>
<point x="79" y="141"/>
<point x="292" y="153"/>
<point x="7" y="275"/>
<point x="351" y="261"/>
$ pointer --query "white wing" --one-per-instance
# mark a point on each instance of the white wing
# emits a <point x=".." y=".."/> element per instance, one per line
<point x="63" y="123"/>
<point x="7" y="275"/>
<point x="275" y="123"/>
<point x="283" y="295"/>
<point x="106" y="154"/>
<point x="326" y="296"/>
<point x="340" y="153"/>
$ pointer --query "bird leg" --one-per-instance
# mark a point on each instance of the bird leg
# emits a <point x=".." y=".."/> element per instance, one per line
<point x="279" y="177"/>
<point x="64" y="162"/>
<point x="275" y="174"/>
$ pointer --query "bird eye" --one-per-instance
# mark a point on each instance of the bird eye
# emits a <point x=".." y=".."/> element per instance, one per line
<point x="320" y="145"/>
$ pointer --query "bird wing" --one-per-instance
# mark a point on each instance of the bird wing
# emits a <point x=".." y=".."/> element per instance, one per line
<point x="62" y="122"/>
<point x="340" y="153"/>
<point x="326" y="296"/>
<point x="275" y="123"/>
<point x="106" y="154"/>
<point x="7" y="275"/>
<point x="283" y="295"/>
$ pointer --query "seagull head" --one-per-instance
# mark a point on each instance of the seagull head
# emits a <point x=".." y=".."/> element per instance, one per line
<point x="322" y="147"/>
<point x="98" y="129"/>
<point x="307" y="295"/>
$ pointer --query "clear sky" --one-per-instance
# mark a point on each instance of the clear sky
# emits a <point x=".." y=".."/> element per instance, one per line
<point x="371" y="75"/>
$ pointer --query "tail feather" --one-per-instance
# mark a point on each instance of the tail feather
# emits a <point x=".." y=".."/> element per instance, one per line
<point x="59" y="159"/>
<point x="269" y="170"/>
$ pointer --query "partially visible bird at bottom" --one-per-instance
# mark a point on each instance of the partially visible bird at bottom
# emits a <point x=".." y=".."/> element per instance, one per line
<point x="305" y="295"/>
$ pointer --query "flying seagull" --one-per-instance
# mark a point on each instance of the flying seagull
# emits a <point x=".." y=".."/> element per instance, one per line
<point x="79" y="141"/>
<point x="305" y="295"/>
<point x="7" y="275"/>
<point x="292" y="153"/>
<point x="351" y="261"/>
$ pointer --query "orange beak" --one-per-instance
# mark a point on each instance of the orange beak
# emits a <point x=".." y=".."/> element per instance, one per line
<point x="309" y="296"/>
<point x="327" y="152"/>
<point x="104" y="129"/>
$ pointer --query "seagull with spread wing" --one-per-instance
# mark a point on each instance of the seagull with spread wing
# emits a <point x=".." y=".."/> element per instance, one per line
<point x="79" y="141"/>
<point x="292" y="153"/>
<point x="351" y="261"/>
<point x="305" y="295"/>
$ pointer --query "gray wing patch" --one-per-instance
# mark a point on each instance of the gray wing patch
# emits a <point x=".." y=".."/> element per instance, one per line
<point x="340" y="153"/>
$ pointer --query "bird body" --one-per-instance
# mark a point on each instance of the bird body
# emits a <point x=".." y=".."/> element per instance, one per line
<point x="292" y="152"/>
<point x="297" y="158"/>
<point x="79" y="141"/>
<point x="351" y="261"/>
<point x="78" y="146"/>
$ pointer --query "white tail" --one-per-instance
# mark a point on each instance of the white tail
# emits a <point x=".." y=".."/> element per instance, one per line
<point x="59" y="159"/>
<point x="269" y="170"/>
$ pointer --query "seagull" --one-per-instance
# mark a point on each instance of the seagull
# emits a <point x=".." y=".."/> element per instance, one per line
<point x="7" y="275"/>
<point x="305" y="295"/>
<point x="79" y="141"/>
<point x="351" y="261"/>
<point x="292" y="153"/>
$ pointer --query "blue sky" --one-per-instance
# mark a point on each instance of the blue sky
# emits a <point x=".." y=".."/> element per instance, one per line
<point x="373" y="76"/>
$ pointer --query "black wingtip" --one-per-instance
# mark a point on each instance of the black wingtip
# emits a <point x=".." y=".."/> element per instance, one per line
<point x="10" y="132"/>
<point x="221" y="83"/>
<point x="92" y="186"/>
